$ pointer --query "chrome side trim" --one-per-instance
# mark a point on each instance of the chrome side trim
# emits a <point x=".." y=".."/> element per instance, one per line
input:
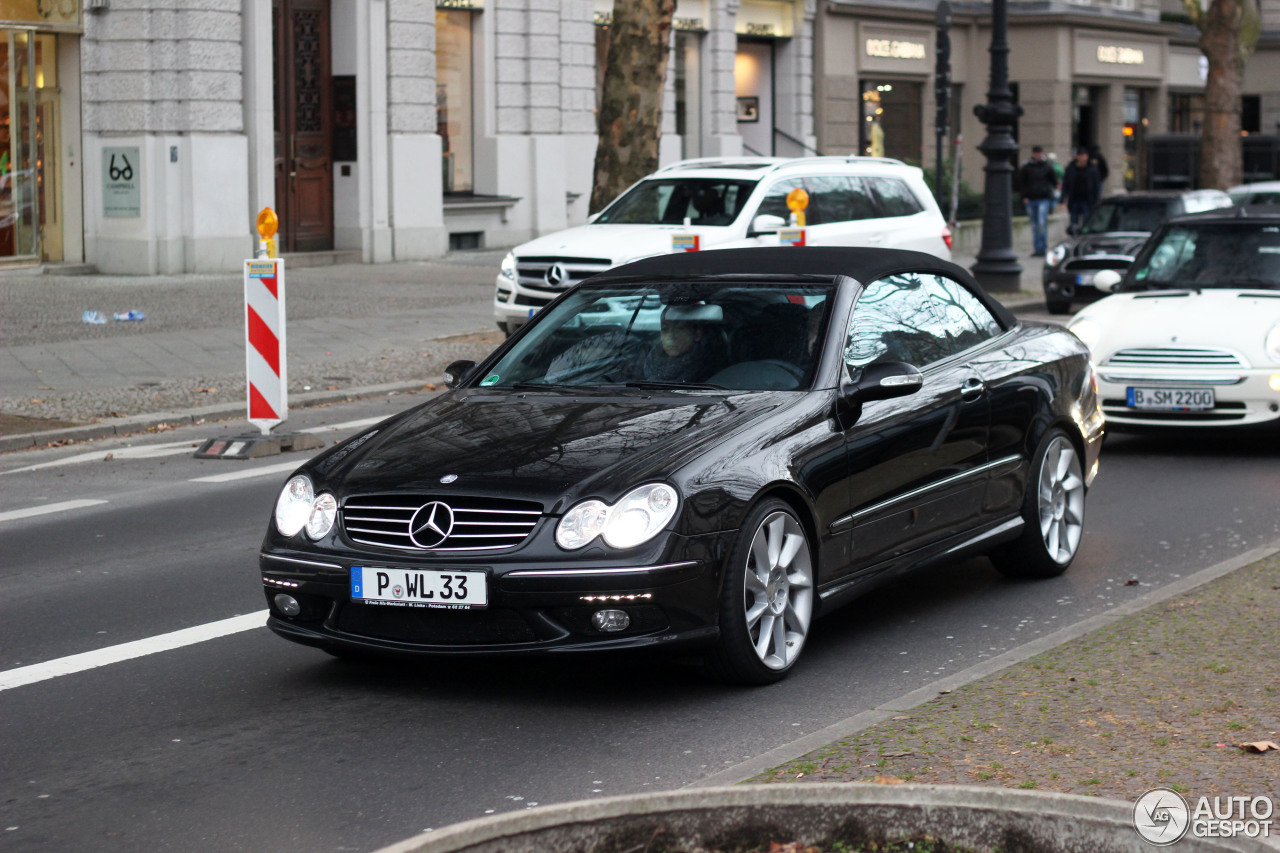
<point x="580" y="573"/>
<point x="854" y="517"/>
<point x="313" y="563"/>
<point x="999" y="530"/>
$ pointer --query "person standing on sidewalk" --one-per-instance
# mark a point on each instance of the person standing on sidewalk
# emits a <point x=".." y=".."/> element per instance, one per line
<point x="1081" y="186"/>
<point x="1038" y="182"/>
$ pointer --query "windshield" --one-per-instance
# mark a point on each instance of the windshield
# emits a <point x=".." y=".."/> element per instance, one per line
<point x="670" y="201"/>
<point x="1202" y="255"/>
<point x="682" y="336"/>
<point x="1126" y="216"/>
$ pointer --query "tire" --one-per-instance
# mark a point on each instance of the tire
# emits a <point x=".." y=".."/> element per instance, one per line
<point x="1058" y="306"/>
<point x="766" y="598"/>
<point x="1053" y="512"/>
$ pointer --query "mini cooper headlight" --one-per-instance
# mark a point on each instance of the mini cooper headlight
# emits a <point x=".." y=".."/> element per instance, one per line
<point x="1086" y="329"/>
<point x="324" y="509"/>
<point x="293" y="507"/>
<point x="1272" y="343"/>
<point x="1056" y="254"/>
<point x="632" y="521"/>
<point x="508" y="268"/>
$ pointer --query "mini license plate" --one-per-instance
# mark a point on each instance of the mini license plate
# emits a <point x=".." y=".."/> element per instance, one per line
<point x="1170" y="399"/>
<point x="418" y="587"/>
<point x="1084" y="278"/>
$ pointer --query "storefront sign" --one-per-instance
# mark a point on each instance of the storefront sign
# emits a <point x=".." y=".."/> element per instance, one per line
<point x="121" y="182"/>
<point x="1117" y="55"/>
<point x="894" y="49"/>
<point x="691" y="15"/>
<point x="459" y="4"/>
<point x="51" y="14"/>
<point x="764" y="18"/>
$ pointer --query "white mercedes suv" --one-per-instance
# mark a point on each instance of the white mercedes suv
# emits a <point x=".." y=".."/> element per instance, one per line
<point x="723" y="203"/>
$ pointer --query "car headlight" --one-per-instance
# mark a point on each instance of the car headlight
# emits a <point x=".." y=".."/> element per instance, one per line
<point x="635" y="519"/>
<point x="1272" y="343"/>
<point x="1086" y="329"/>
<point x="324" y="509"/>
<point x="299" y="507"/>
<point x="1056" y="254"/>
<point x="508" y="268"/>
<point x="293" y="507"/>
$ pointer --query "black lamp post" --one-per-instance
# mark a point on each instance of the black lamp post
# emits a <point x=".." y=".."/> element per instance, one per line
<point x="997" y="267"/>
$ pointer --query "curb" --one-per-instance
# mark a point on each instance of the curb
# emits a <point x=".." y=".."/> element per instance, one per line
<point x="189" y="417"/>
<point x="986" y="818"/>
<point x="850" y="726"/>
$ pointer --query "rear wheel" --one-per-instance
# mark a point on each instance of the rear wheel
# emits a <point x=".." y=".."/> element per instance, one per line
<point x="1053" y="512"/>
<point x="766" y="599"/>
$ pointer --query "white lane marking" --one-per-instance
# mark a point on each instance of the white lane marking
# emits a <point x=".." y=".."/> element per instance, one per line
<point x="14" y="514"/>
<point x="252" y="472"/>
<point x="352" y="425"/>
<point x="148" y="451"/>
<point x="128" y="651"/>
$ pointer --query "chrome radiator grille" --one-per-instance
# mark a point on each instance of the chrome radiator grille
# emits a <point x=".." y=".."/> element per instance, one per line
<point x="551" y="273"/>
<point x="416" y="522"/>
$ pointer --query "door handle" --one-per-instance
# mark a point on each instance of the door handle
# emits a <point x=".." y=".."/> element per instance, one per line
<point x="972" y="389"/>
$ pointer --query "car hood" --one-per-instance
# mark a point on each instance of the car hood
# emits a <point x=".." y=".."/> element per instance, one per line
<point x="620" y="244"/>
<point x="539" y="446"/>
<point x="1117" y="243"/>
<point x="1235" y="319"/>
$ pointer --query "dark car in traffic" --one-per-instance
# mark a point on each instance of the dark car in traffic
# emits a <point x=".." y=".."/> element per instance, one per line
<point x="703" y="450"/>
<point x="1109" y="239"/>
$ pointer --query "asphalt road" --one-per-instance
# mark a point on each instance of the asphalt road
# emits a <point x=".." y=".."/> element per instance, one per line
<point x="247" y="742"/>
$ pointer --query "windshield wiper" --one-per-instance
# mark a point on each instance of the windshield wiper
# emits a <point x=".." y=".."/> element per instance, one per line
<point x="654" y="385"/>
<point x="539" y="386"/>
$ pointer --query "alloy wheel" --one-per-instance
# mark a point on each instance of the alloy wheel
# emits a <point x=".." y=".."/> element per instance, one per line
<point x="1061" y="491"/>
<point x="778" y="590"/>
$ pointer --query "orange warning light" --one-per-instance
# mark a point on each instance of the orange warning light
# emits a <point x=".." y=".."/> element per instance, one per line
<point x="268" y="223"/>
<point x="797" y="200"/>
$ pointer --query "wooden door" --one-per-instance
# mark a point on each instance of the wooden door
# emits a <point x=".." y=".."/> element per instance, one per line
<point x="304" y="116"/>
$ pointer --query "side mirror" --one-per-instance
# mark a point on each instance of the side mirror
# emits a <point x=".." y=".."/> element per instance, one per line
<point x="1107" y="280"/>
<point x="767" y="223"/>
<point x="883" y="381"/>
<point x="455" y="374"/>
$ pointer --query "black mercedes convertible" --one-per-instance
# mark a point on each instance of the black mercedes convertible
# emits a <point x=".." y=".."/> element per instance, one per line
<point x="706" y="450"/>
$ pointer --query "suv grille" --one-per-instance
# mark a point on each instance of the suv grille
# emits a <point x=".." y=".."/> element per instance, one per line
<point x="1196" y="357"/>
<point x="533" y="271"/>
<point x="410" y="522"/>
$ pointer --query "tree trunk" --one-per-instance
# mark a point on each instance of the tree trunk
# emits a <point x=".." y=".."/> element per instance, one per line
<point x="1220" y="159"/>
<point x="630" y="119"/>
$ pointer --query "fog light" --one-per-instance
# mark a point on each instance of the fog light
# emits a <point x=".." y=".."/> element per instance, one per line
<point x="1275" y="382"/>
<point x="609" y="621"/>
<point x="289" y="606"/>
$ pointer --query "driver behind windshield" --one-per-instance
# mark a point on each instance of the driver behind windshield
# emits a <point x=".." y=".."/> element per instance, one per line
<point x="691" y="347"/>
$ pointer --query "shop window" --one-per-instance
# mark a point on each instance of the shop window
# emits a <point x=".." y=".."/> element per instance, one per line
<point x="891" y="119"/>
<point x="1251" y="114"/>
<point x="29" y="128"/>
<point x="1186" y="113"/>
<point x="454" y="110"/>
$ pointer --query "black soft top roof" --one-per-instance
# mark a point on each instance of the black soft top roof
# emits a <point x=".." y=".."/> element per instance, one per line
<point x="860" y="264"/>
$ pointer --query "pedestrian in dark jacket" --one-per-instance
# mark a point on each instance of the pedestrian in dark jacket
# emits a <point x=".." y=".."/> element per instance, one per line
<point x="1099" y="162"/>
<point x="1037" y="183"/>
<point x="1081" y="186"/>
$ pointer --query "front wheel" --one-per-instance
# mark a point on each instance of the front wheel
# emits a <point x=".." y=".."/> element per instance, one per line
<point x="766" y="598"/>
<point x="1053" y="512"/>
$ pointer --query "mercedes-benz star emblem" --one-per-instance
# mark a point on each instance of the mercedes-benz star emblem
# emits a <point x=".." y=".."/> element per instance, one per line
<point x="557" y="275"/>
<point x="449" y="478"/>
<point x="431" y="524"/>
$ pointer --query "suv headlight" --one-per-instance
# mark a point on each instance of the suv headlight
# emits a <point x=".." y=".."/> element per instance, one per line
<point x="1056" y="254"/>
<point x="1271" y="344"/>
<point x="508" y="268"/>
<point x="635" y="519"/>
<point x="298" y="506"/>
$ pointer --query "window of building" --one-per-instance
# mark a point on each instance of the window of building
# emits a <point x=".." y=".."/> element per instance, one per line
<point x="1186" y="112"/>
<point x="454" y="111"/>
<point x="891" y="119"/>
<point x="1251" y="113"/>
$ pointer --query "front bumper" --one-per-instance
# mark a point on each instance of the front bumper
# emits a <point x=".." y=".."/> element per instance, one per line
<point x="1074" y="285"/>
<point x="514" y="304"/>
<point x="1242" y="397"/>
<point x="533" y="606"/>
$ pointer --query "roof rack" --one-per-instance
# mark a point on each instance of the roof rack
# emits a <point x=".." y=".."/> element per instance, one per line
<point x="774" y="163"/>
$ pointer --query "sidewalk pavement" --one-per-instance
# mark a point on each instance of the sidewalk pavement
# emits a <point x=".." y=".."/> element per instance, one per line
<point x="1163" y="694"/>
<point x="353" y="330"/>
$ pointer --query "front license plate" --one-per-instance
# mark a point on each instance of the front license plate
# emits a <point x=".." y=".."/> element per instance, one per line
<point x="1084" y="278"/>
<point x="1171" y="399"/>
<point x="418" y="587"/>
